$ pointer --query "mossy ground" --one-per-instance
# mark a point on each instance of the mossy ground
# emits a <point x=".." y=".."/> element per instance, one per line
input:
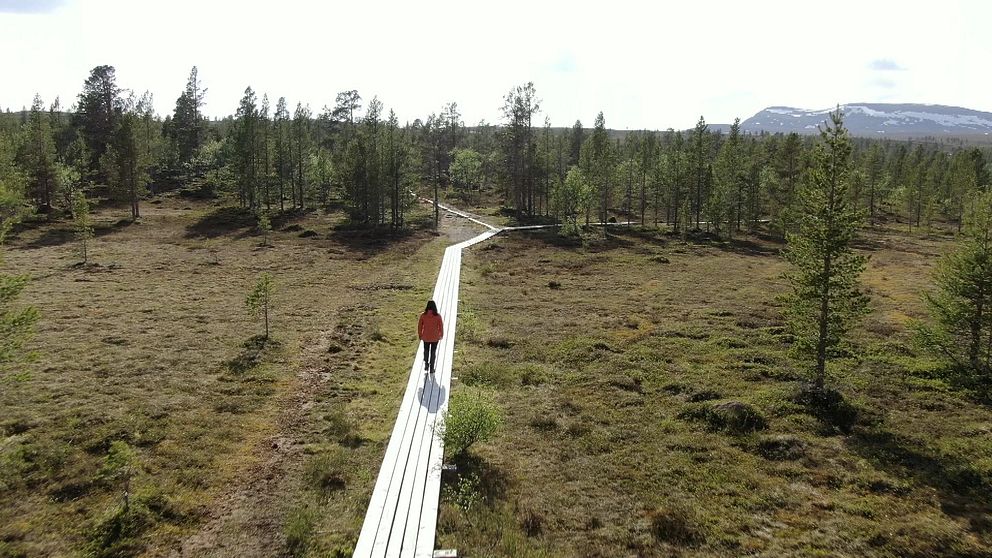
<point x="239" y="440"/>
<point x="652" y="408"/>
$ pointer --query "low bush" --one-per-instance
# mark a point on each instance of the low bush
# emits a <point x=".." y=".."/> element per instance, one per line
<point x="734" y="417"/>
<point x="471" y="418"/>
<point x="325" y="472"/>
<point x="676" y="526"/>
<point x="829" y="406"/>
<point x="299" y="530"/>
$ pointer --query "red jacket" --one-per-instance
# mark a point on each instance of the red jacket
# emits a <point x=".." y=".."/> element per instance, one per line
<point x="430" y="328"/>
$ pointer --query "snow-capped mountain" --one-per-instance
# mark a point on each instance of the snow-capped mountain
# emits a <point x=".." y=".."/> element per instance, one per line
<point x="877" y="119"/>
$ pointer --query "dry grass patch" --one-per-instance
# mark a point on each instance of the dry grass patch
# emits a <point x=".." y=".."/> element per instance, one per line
<point x="245" y="447"/>
<point x="669" y="419"/>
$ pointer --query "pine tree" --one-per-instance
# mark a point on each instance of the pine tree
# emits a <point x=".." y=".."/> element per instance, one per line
<point x="39" y="157"/>
<point x="99" y="107"/>
<point x="677" y="172"/>
<point x="148" y="132"/>
<point x="124" y="163"/>
<point x="283" y="158"/>
<point x="825" y="298"/>
<point x="302" y="144"/>
<point x="121" y="465"/>
<point x="16" y="321"/>
<point x="723" y="201"/>
<point x="961" y="304"/>
<point x="259" y="299"/>
<point x="962" y="184"/>
<point x="187" y="130"/>
<point x="596" y="162"/>
<point x="264" y="226"/>
<point x="874" y="166"/>
<point x="264" y="131"/>
<point x="245" y="135"/>
<point x="82" y="223"/>
<point x="519" y="147"/>
<point x="396" y="172"/>
<point x="782" y="195"/>
<point x="646" y="165"/>
<point x="576" y="138"/>
<point x="700" y="162"/>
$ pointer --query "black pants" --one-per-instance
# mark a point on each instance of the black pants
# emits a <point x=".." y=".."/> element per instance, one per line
<point x="430" y="353"/>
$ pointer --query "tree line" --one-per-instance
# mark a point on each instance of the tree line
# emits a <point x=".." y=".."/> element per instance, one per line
<point x="112" y="145"/>
<point x="812" y="192"/>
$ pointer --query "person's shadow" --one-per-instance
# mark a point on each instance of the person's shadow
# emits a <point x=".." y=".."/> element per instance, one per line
<point x="432" y="394"/>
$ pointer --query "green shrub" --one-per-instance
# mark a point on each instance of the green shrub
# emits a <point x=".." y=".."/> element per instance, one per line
<point x="299" y="529"/>
<point x="677" y="526"/>
<point x="731" y="416"/>
<point x="118" y="533"/>
<point x="471" y="418"/>
<point x="828" y="405"/>
<point x="487" y="374"/>
<point x="325" y="472"/>
<point x="781" y="447"/>
<point x="464" y="493"/>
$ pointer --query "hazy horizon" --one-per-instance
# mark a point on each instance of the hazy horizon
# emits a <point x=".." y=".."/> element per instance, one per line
<point x="644" y="66"/>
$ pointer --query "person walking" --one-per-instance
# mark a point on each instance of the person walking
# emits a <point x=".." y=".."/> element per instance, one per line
<point x="431" y="330"/>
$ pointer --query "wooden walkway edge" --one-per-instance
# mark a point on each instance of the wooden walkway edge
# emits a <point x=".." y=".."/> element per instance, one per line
<point x="402" y="515"/>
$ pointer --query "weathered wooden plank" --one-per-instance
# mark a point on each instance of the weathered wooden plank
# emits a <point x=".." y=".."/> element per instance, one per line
<point x="402" y="513"/>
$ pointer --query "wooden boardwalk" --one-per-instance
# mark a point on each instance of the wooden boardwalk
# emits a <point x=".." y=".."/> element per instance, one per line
<point x="402" y="514"/>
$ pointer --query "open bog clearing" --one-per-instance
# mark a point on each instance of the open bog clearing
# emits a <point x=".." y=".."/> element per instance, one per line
<point x="648" y="394"/>
<point x="242" y="445"/>
<point x="650" y="410"/>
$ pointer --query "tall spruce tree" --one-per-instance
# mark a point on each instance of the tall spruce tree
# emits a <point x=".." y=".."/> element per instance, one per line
<point x="39" y="157"/>
<point x="700" y="157"/>
<point x="519" y="147"/>
<point x="264" y="159"/>
<point x="722" y="205"/>
<point x="576" y="138"/>
<point x="302" y="146"/>
<point x="188" y="127"/>
<point x="124" y="163"/>
<point x="782" y="191"/>
<point x="960" y="306"/>
<point x="283" y="160"/>
<point x="99" y="107"/>
<point x="596" y="163"/>
<point x="825" y="298"/>
<point x="245" y="146"/>
<point x="16" y="320"/>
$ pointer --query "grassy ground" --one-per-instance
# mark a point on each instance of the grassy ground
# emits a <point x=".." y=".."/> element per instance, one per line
<point x="651" y="410"/>
<point x="244" y="447"/>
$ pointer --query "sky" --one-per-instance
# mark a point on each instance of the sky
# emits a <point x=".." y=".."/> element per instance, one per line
<point x="651" y="64"/>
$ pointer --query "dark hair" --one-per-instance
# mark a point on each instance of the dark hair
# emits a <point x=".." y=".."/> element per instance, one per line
<point x="431" y="307"/>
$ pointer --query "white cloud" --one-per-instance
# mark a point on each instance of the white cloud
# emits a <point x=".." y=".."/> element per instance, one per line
<point x="647" y="64"/>
<point x="885" y="65"/>
<point x="29" y="6"/>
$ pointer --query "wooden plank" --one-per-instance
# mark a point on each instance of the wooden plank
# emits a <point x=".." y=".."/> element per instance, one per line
<point x="410" y="502"/>
<point x="402" y="513"/>
<point x="423" y="485"/>
<point x="397" y="499"/>
<point x="428" y="524"/>
<point x="378" y="504"/>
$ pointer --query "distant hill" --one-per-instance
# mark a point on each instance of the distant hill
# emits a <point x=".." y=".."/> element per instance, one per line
<point x="877" y="120"/>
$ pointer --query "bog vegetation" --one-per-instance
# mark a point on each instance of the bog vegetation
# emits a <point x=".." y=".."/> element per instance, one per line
<point x="745" y="338"/>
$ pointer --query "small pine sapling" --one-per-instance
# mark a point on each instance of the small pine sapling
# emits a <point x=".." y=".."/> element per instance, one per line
<point x="120" y="466"/>
<point x="259" y="299"/>
<point x="82" y="223"/>
<point x="264" y="227"/>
